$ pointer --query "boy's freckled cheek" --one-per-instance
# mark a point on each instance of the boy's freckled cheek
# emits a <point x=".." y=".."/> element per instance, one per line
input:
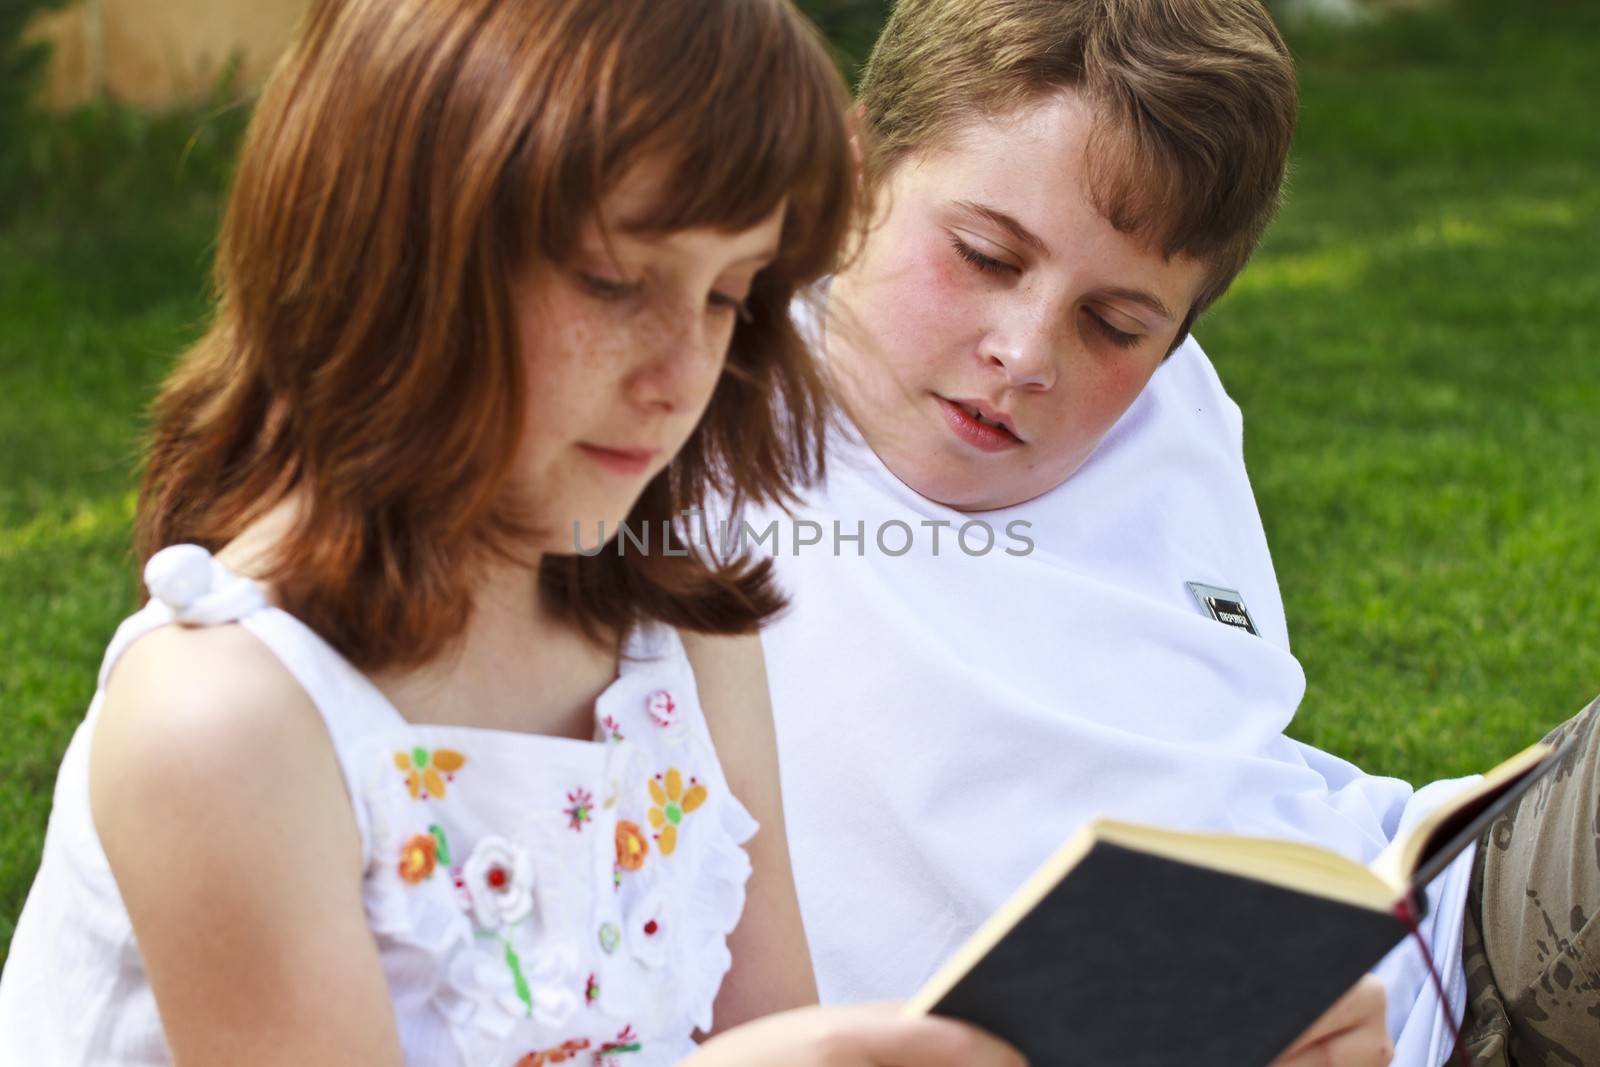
<point x="934" y="311"/>
<point x="947" y="272"/>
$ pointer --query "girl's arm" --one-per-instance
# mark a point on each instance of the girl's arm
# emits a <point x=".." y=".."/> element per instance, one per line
<point x="222" y="811"/>
<point x="771" y="961"/>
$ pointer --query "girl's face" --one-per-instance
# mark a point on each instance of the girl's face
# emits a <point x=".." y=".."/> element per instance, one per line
<point x="994" y="292"/>
<point x="623" y="348"/>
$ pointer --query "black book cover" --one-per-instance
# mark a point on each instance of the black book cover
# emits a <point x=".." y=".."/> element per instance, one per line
<point x="1139" y="961"/>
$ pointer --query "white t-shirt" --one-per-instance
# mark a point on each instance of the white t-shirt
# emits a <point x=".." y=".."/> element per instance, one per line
<point x="947" y="716"/>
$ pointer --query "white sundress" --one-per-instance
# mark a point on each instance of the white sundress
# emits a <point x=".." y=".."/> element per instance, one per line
<point x="535" y="900"/>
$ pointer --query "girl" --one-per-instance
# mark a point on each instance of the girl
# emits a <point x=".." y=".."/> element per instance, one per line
<point x="384" y="770"/>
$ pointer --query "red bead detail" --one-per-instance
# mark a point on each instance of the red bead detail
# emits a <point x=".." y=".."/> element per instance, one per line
<point x="497" y="877"/>
<point x="650" y="928"/>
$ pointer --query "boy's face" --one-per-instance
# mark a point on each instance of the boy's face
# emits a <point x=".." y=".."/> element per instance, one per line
<point x="994" y="287"/>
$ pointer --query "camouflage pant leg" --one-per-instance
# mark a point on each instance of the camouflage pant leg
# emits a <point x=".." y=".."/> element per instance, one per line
<point x="1532" y="937"/>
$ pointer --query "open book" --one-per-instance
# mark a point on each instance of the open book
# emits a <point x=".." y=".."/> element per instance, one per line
<point x="1137" y="946"/>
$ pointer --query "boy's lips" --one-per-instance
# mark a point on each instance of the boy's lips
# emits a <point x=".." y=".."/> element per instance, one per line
<point x="979" y="425"/>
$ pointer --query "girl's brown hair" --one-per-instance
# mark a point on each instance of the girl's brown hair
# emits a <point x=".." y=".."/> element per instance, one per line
<point x="407" y="158"/>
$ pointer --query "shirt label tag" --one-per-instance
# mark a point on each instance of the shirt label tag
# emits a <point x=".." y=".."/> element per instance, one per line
<point x="1224" y="605"/>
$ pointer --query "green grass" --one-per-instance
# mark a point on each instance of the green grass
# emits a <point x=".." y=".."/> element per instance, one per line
<point x="102" y="266"/>
<point x="1414" y="349"/>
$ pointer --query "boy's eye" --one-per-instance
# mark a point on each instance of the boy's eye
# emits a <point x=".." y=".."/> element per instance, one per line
<point x="988" y="264"/>
<point x="1120" y="338"/>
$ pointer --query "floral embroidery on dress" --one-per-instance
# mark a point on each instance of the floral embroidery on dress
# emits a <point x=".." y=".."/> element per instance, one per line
<point x="499" y="882"/>
<point x="632" y="846"/>
<point x="591" y="990"/>
<point x="612" y="727"/>
<point x="647" y="929"/>
<point x="519" y="980"/>
<point x="418" y="857"/>
<point x="671" y="805"/>
<point x="422" y="854"/>
<point x="443" y="850"/>
<point x="625" y="1041"/>
<point x="567" y="1051"/>
<point x="580" y="808"/>
<point x="662" y="707"/>
<point x="427" y="772"/>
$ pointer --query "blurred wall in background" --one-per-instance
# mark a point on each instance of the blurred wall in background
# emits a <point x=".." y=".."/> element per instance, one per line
<point x="159" y="52"/>
<point x="156" y="53"/>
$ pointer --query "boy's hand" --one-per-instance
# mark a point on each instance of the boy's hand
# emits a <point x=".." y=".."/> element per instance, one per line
<point x="876" y="1035"/>
<point x="1352" y="1033"/>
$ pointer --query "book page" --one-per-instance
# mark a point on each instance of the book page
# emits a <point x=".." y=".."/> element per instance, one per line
<point x="1413" y="858"/>
<point x="1309" y="869"/>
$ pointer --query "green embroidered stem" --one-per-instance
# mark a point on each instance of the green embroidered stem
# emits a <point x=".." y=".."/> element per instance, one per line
<point x="523" y="993"/>
<point x="514" y="962"/>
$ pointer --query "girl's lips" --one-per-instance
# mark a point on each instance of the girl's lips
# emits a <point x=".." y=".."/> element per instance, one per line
<point x="630" y="461"/>
<point x="979" y="435"/>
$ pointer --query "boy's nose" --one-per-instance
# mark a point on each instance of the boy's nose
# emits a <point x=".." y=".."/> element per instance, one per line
<point x="1025" y="354"/>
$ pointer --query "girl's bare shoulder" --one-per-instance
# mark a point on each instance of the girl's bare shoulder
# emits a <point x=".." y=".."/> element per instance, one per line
<point x="210" y="693"/>
<point x="217" y="797"/>
<point x="200" y="725"/>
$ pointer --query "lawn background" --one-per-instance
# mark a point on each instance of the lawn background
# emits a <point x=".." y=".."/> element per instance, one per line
<point x="1414" y="349"/>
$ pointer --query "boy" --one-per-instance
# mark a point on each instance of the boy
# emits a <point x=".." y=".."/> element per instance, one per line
<point x="993" y="637"/>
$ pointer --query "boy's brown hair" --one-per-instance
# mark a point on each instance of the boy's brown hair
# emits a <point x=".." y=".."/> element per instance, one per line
<point x="1195" y="99"/>
<point x="408" y="158"/>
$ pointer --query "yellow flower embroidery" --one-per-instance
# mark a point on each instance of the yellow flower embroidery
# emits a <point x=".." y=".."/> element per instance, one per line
<point x="672" y="804"/>
<point x="426" y="772"/>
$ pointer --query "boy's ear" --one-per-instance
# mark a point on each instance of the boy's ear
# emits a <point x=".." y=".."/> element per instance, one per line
<point x="854" y="123"/>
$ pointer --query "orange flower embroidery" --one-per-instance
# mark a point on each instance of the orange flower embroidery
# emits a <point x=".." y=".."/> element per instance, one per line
<point x="631" y="845"/>
<point x="567" y="1051"/>
<point x="426" y="772"/>
<point x="672" y="804"/>
<point x="418" y="857"/>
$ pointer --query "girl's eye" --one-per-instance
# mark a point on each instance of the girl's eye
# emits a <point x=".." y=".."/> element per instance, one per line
<point x="1120" y="338"/>
<point x="605" y="288"/>
<point x="988" y="264"/>
<point x="725" y="302"/>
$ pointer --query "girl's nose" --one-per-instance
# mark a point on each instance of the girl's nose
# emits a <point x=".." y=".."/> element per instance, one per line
<point x="679" y="359"/>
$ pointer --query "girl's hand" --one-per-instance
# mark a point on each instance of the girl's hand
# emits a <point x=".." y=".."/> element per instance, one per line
<point x="875" y="1035"/>
<point x="1352" y="1033"/>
